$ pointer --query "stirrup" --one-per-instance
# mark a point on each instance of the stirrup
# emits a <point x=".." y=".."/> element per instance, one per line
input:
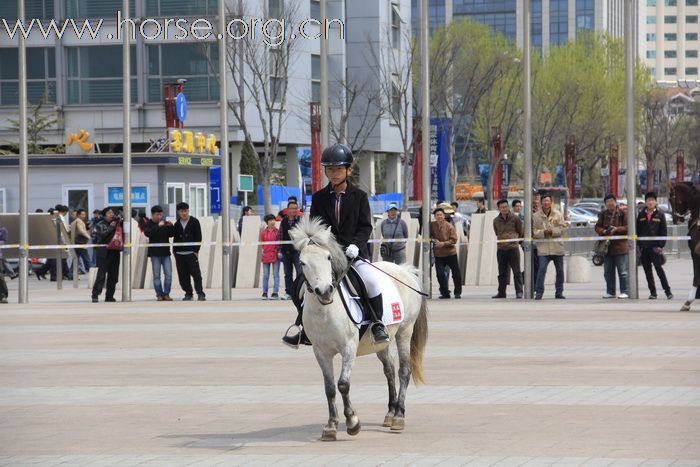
<point x="287" y="336"/>
<point x="371" y="330"/>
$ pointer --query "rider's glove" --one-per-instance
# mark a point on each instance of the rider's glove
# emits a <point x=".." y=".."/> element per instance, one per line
<point x="352" y="251"/>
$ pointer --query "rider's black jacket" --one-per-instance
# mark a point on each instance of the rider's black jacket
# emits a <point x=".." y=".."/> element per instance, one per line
<point x="355" y="225"/>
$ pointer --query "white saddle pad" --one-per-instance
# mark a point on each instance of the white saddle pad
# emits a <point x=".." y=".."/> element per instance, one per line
<point x="393" y="312"/>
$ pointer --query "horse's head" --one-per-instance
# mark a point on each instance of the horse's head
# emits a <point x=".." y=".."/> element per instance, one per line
<point x="322" y="259"/>
<point x="680" y="197"/>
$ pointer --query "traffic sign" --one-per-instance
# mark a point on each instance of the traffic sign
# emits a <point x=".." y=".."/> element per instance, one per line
<point x="245" y="183"/>
<point x="181" y="107"/>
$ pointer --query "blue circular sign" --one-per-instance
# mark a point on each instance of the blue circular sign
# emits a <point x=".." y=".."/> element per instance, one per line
<point x="181" y="107"/>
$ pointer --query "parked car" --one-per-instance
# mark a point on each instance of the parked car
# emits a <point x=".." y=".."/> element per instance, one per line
<point x="581" y="218"/>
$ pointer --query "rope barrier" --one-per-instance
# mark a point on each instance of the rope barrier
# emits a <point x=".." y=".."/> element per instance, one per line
<point x="372" y="241"/>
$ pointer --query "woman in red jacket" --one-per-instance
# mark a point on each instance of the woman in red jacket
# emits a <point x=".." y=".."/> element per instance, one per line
<point x="270" y="257"/>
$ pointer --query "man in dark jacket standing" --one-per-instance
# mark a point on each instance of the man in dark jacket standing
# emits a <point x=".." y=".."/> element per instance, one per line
<point x="159" y="231"/>
<point x="652" y="223"/>
<point x="186" y="230"/>
<point x="612" y="221"/>
<point x="290" y="256"/>
<point x="107" y="260"/>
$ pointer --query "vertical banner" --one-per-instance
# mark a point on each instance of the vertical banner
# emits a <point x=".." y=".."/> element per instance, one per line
<point x="439" y="157"/>
<point x="578" y="183"/>
<point x="507" y="168"/>
<point x="316" y="175"/>
<point x="417" y="185"/>
<point x="484" y="171"/>
<point x="559" y="179"/>
<point x="614" y="170"/>
<point x="305" y="156"/>
<point x="657" y="180"/>
<point x="680" y="166"/>
<point x="215" y="189"/>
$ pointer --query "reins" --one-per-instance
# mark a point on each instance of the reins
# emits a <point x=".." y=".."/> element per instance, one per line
<point x="393" y="277"/>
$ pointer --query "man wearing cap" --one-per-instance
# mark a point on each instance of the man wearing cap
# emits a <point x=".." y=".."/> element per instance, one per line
<point x="394" y="228"/>
<point x="652" y="223"/>
<point x="345" y="208"/>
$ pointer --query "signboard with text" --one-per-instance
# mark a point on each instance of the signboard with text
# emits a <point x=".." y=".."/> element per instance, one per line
<point x="139" y="195"/>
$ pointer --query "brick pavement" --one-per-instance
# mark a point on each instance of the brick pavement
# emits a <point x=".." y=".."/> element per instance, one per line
<point x="582" y="382"/>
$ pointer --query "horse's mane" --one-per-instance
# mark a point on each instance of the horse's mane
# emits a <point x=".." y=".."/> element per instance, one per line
<point x="315" y="231"/>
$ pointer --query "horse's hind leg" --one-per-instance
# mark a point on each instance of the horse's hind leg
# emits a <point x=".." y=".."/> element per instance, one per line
<point x="390" y="373"/>
<point x="403" y="342"/>
<point x="326" y="363"/>
<point x="351" y="419"/>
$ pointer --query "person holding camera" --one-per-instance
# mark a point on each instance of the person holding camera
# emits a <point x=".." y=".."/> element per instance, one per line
<point x="159" y="230"/>
<point x="652" y="223"/>
<point x="612" y="221"/>
<point x="108" y="257"/>
<point x="393" y="228"/>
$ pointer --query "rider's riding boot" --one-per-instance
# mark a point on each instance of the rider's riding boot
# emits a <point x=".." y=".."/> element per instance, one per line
<point x="376" y="308"/>
<point x="299" y="338"/>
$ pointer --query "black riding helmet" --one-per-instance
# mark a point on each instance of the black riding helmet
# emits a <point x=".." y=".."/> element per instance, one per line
<point x="337" y="155"/>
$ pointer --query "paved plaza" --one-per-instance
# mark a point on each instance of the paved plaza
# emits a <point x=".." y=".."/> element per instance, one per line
<point x="584" y="381"/>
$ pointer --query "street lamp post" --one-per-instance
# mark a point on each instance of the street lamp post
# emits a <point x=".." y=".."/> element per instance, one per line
<point x="425" y="142"/>
<point x="325" y="108"/>
<point x="126" y="154"/>
<point x="225" y="163"/>
<point x="527" y="123"/>
<point x="631" y="159"/>
<point x="23" y="168"/>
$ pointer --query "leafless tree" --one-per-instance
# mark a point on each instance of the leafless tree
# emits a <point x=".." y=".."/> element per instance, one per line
<point x="393" y="72"/>
<point x="261" y="74"/>
<point x="359" y="101"/>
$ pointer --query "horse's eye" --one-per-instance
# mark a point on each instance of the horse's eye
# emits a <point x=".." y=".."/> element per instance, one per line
<point x="329" y="257"/>
<point x="303" y="263"/>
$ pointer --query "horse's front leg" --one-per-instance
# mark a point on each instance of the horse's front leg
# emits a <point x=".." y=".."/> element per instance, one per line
<point x="326" y="363"/>
<point x="691" y="296"/>
<point x="390" y="373"/>
<point x="403" y="344"/>
<point x="351" y="419"/>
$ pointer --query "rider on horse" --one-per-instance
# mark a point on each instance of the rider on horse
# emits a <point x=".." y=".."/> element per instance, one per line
<point x="345" y="208"/>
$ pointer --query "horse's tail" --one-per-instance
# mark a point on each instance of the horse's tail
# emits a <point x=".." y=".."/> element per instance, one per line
<point x="418" y="341"/>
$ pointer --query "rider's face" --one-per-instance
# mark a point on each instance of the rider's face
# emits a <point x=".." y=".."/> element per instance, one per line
<point x="338" y="174"/>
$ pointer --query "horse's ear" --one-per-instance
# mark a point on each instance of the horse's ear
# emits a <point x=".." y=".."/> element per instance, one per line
<point x="323" y="236"/>
<point x="299" y="239"/>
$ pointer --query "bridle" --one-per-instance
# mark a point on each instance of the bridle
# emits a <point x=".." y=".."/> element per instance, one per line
<point x="337" y="277"/>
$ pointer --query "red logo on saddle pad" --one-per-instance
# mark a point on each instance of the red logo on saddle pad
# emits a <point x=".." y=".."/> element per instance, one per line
<point x="396" y="309"/>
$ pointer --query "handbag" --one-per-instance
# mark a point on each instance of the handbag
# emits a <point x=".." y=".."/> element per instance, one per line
<point x="117" y="241"/>
<point x="385" y="249"/>
<point x="601" y="247"/>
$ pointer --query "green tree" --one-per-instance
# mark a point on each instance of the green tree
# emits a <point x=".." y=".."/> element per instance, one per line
<point x="38" y="123"/>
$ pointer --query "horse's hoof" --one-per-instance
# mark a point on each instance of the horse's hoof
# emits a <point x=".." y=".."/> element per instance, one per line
<point x="685" y="307"/>
<point x="388" y="421"/>
<point x="398" y="424"/>
<point x="328" y="435"/>
<point x="354" y="428"/>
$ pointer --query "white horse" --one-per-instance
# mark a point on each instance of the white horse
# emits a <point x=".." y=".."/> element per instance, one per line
<point x="332" y="332"/>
